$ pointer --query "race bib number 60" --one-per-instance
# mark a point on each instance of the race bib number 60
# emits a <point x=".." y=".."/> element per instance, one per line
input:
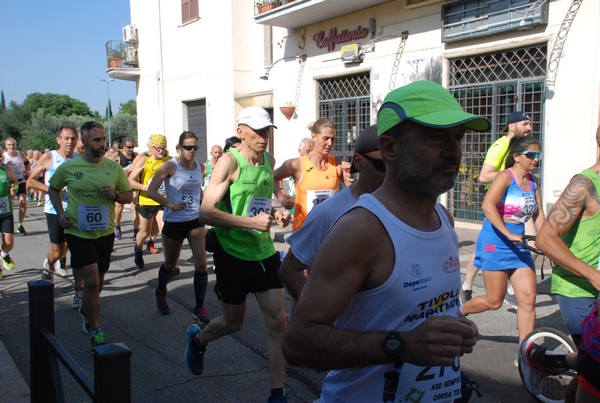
<point x="4" y="205"/>
<point x="92" y="218"/>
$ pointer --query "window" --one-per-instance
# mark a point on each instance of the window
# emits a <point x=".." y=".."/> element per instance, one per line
<point x="189" y="11"/>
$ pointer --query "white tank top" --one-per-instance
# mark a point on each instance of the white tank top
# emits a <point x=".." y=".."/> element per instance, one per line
<point x="184" y="186"/>
<point x="424" y="282"/>
<point x="57" y="160"/>
<point x="16" y="164"/>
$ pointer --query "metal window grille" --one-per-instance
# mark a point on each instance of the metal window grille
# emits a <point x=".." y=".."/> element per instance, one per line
<point x="494" y="85"/>
<point x="346" y="101"/>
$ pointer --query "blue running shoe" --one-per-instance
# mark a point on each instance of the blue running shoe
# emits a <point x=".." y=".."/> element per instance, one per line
<point x="194" y="356"/>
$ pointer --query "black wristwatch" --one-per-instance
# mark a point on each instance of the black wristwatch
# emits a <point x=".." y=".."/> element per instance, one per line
<point x="393" y="345"/>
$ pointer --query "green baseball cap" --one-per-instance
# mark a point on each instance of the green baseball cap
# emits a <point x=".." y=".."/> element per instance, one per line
<point x="428" y="104"/>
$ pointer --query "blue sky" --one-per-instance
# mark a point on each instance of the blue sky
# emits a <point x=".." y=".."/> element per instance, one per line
<point x="57" y="46"/>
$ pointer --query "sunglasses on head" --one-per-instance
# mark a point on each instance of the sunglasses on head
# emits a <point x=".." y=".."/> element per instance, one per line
<point x="190" y="148"/>
<point x="532" y="154"/>
<point x="377" y="163"/>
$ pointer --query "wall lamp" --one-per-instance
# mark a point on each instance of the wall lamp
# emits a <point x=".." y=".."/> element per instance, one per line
<point x="301" y="58"/>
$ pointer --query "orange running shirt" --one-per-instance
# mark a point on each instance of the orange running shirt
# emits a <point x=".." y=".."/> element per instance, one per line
<point x="315" y="186"/>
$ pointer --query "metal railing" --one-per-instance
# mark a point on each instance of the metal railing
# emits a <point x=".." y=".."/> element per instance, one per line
<point x="112" y="362"/>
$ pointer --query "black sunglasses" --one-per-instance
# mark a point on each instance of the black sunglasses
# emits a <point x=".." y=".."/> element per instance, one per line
<point x="377" y="163"/>
<point x="190" y="148"/>
<point x="129" y="147"/>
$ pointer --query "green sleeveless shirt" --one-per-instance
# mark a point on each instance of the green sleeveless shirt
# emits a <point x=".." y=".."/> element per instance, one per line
<point x="249" y="195"/>
<point x="6" y="207"/>
<point x="583" y="240"/>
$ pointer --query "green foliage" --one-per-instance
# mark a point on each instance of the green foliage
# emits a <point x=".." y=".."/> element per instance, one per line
<point x="2" y="102"/>
<point x="35" y="122"/>
<point x="55" y="104"/>
<point x="123" y="124"/>
<point x="41" y="132"/>
<point x="13" y="121"/>
<point x="129" y="107"/>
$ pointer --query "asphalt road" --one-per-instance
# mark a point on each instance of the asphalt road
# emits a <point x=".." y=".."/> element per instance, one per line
<point x="236" y="366"/>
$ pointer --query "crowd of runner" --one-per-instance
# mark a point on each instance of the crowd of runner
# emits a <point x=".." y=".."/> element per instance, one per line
<point x="373" y="269"/>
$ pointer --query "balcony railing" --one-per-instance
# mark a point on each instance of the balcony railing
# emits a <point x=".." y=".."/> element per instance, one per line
<point x="121" y="55"/>
<point x="262" y="6"/>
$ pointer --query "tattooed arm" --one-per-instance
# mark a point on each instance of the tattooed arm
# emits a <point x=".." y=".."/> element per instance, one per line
<point x="579" y="200"/>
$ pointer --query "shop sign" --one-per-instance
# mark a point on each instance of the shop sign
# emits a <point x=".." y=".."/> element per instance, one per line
<point x="335" y="38"/>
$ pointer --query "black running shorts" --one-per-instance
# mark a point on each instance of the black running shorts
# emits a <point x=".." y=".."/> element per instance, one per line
<point x="89" y="251"/>
<point x="236" y="278"/>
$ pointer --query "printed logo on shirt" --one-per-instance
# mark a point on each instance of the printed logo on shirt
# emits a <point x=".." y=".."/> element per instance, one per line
<point x="421" y="282"/>
<point x="451" y="265"/>
<point x="78" y="175"/>
<point x="442" y="303"/>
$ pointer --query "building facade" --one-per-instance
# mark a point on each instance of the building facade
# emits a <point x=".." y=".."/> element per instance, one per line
<point x="196" y="64"/>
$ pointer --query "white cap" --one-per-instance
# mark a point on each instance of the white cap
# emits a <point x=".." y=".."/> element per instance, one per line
<point x="255" y="117"/>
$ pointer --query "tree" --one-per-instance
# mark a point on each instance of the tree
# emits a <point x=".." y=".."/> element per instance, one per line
<point x="128" y="107"/>
<point x="55" y="104"/>
<point x="123" y="124"/>
<point x="41" y="132"/>
<point x="2" y="103"/>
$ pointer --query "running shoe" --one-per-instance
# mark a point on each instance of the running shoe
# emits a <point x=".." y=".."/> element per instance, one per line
<point x="161" y="301"/>
<point x="98" y="339"/>
<point x="510" y="300"/>
<point x="61" y="270"/>
<point x="85" y="323"/>
<point x="39" y="204"/>
<point x="77" y="299"/>
<point x="138" y="258"/>
<point x="532" y="373"/>
<point x="47" y="273"/>
<point x="21" y="229"/>
<point x="194" y="355"/>
<point x="117" y="232"/>
<point x="467" y="294"/>
<point x="7" y="262"/>
<point x="152" y="249"/>
<point x="201" y="315"/>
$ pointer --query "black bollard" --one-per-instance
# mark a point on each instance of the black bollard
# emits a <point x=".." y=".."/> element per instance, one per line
<point x="41" y="316"/>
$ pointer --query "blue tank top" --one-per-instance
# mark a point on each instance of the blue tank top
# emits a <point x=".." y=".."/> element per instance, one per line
<point x="518" y="204"/>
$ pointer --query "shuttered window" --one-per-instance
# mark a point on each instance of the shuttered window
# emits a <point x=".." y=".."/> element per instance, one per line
<point x="189" y="11"/>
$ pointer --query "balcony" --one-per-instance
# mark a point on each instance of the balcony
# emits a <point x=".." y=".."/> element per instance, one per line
<point x="121" y="60"/>
<point x="294" y="14"/>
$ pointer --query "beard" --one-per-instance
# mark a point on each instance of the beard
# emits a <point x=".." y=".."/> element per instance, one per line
<point x="98" y="153"/>
<point x="418" y="177"/>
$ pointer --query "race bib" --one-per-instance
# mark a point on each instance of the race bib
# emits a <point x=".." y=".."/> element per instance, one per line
<point x="92" y="218"/>
<point x="191" y="200"/>
<point x="4" y="205"/>
<point x="314" y="197"/>
<point x="161" y="190"/>
<point x="258" y="205"/>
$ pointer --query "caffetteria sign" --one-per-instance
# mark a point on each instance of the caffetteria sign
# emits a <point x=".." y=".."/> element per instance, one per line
<point x="335" y="38"/>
